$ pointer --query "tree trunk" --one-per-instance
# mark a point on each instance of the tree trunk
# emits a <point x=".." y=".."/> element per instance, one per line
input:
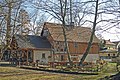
<point x="63" y="13"/>
<point x="91" y="38"/>
<point x="70" y="12"/>
<point x="66" y="45"/>
<point x="8" y="31"/>
<point x="8" y="26"/>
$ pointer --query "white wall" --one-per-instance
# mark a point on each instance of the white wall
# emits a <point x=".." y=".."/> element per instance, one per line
<point x="91" y="57"/>
<point x="38" y="56"/>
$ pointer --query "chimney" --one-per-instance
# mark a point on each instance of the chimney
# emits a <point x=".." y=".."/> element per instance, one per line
<point x="71" y="25"/>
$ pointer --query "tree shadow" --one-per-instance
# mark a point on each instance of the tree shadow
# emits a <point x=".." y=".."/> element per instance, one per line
<point x="112" y="77"/>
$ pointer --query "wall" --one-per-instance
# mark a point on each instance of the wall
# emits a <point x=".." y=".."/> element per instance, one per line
<point x="38" y="56"/>
<point x="91" y="57"/>
<point x="76" y="50"/>
<point x="81" y="47"/>
<point x="77" y="57"/>
<point x="76" y="47"/>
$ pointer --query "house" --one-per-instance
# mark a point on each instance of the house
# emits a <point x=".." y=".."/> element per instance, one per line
<point x="110" y="45"/>
<point x="77" y="38"/>
<point x="50" y="46"/>
<point x="108" y="55"/>
<point x="110" y="52"/>
<point x="29" y="49"/>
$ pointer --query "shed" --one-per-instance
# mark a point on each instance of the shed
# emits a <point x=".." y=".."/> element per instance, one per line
<point x="31" y="49"/>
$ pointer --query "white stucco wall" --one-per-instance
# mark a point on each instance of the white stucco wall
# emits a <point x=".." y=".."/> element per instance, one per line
<point x="38" y="56"/>
<point x="91" y="57"/>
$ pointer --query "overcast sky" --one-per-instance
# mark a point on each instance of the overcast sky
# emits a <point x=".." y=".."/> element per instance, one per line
<point x="113" y="34"/>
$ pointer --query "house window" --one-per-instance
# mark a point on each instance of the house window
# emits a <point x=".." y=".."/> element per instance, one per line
<point x="74" y="59"/>
<point x="30" y="54"/>
<point x="57" y="42"/>
<point x="79" y="34"/>
<point x="62" y="57"/>
<point x="113" y="55"/>
<point x="75" y="44"/>
<point x="43" y="55"/>
<point x="108" y="56"/>
<point x="58" y="49"/>
<point x="65" y="49"/>
<point x="61" y="49"/>
<point x="45" y="32"/>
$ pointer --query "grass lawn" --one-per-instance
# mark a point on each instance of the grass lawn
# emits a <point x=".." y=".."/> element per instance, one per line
<point x="14" y="73"/>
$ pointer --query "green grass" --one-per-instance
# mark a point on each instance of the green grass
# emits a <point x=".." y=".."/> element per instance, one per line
<point x="13" y="73"/>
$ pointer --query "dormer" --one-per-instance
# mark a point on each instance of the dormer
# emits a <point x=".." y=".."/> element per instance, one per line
<point x="45" y="32"/>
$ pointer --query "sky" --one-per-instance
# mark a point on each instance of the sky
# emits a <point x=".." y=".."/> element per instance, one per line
<point x="110" y="30"/>
<point x="113" y="33"/>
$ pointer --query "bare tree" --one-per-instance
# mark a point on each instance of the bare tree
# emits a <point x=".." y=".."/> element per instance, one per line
<point x="77" y="10"/>
<point x="37" y="21"/>
<point x="24" y="20"/>
<point x="63" y="13"/>
<point x="103" y="9"/>
<point x="91" y="38"/>
<point x="8" y="20"/>
<point x="57" y="9"/>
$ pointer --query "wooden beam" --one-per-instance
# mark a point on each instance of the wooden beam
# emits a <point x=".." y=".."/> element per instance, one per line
<point x="27" y="56"/>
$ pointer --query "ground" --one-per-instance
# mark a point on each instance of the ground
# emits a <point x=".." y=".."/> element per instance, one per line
<point x="16" y="73"/>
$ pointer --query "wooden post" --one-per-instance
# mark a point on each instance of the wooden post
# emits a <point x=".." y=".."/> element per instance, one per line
<point x="27" y="56"/>
<point x="53" y="56"/>
<point x="33" y="62"/>
<point x="19" y="64"/>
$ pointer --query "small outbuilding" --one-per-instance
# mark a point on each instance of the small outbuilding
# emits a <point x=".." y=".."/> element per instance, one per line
<point x="29" y="49"/>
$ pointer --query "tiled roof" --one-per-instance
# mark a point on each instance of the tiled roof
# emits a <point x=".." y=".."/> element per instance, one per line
<point x="77" y="34"/>
<point x="32" y="41"/>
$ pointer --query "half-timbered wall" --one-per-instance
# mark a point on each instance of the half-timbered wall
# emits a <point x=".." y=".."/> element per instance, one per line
<point x="75" y="47"/>
<point x="76" y="50"/>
